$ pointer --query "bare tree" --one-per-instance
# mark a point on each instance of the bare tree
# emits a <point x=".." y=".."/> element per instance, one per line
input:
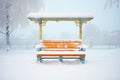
<point x="5" y="20"/>
<point x="14" y="13"/>
<point x="111" y="2"/>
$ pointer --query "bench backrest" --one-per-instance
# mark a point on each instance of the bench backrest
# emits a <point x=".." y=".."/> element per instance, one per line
<point x="61" y="43"/>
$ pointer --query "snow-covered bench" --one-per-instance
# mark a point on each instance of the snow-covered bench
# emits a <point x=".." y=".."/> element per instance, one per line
<point x="60" y="49"/>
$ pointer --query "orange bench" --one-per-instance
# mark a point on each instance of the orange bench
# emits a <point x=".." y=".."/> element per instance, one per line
<point x="64" y="49"/>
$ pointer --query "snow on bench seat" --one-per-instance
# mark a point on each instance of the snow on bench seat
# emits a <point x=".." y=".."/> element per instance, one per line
<point x="60" y="53"/>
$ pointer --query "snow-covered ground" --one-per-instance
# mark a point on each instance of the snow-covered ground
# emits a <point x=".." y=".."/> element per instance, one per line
<point x="101" y="64"/>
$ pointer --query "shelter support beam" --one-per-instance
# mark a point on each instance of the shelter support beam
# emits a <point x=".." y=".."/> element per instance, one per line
<point x="80" y="30"/>
<point x="40" y="28"/>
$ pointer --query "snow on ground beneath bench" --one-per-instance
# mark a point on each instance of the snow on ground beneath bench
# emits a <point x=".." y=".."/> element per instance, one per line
<point x="101" y="64"/>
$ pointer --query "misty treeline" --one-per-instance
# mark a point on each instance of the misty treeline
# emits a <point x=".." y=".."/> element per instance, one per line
<point x="93" y="36"/>
<point x="27" y="37"/>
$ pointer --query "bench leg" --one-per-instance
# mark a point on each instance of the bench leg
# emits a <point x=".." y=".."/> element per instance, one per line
<point x="61" y="59"/>
<point x="39" y="58"/>
<point x="83" y="49"/>
<point x="82" y="59"/>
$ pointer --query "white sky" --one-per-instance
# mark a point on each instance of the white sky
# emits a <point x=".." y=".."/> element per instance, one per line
<point x="107" y="19"/>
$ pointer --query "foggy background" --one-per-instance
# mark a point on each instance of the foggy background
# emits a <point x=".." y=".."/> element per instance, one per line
<point x="102" y="32"/>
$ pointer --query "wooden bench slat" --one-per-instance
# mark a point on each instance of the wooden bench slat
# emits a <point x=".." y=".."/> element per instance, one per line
<point x="61" y="54"/>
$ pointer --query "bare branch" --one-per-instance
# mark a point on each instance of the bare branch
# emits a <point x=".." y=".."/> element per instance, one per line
<point x="12" y="30"/>
<point x="106" y="4"/>
<point x="2" y="32"/>
<point x="111" y="2"/>
<point x="117" y="3"/>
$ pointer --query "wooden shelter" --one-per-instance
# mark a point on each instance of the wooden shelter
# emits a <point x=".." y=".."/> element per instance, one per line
<point x="78" y="18"/>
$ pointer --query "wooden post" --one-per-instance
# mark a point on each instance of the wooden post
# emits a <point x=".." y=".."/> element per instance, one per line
<point x="40" y="25"/>
<point x="80" y="29"/>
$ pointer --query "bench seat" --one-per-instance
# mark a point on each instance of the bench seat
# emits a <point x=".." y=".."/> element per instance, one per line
<point x="61" y="55"/>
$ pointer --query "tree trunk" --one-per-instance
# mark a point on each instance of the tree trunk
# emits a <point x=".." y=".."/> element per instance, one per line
<point x="7" y="38"/>
<point x="7" y="33"/>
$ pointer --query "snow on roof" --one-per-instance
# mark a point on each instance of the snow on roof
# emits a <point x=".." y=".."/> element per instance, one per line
<point x="60" y="15"/>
